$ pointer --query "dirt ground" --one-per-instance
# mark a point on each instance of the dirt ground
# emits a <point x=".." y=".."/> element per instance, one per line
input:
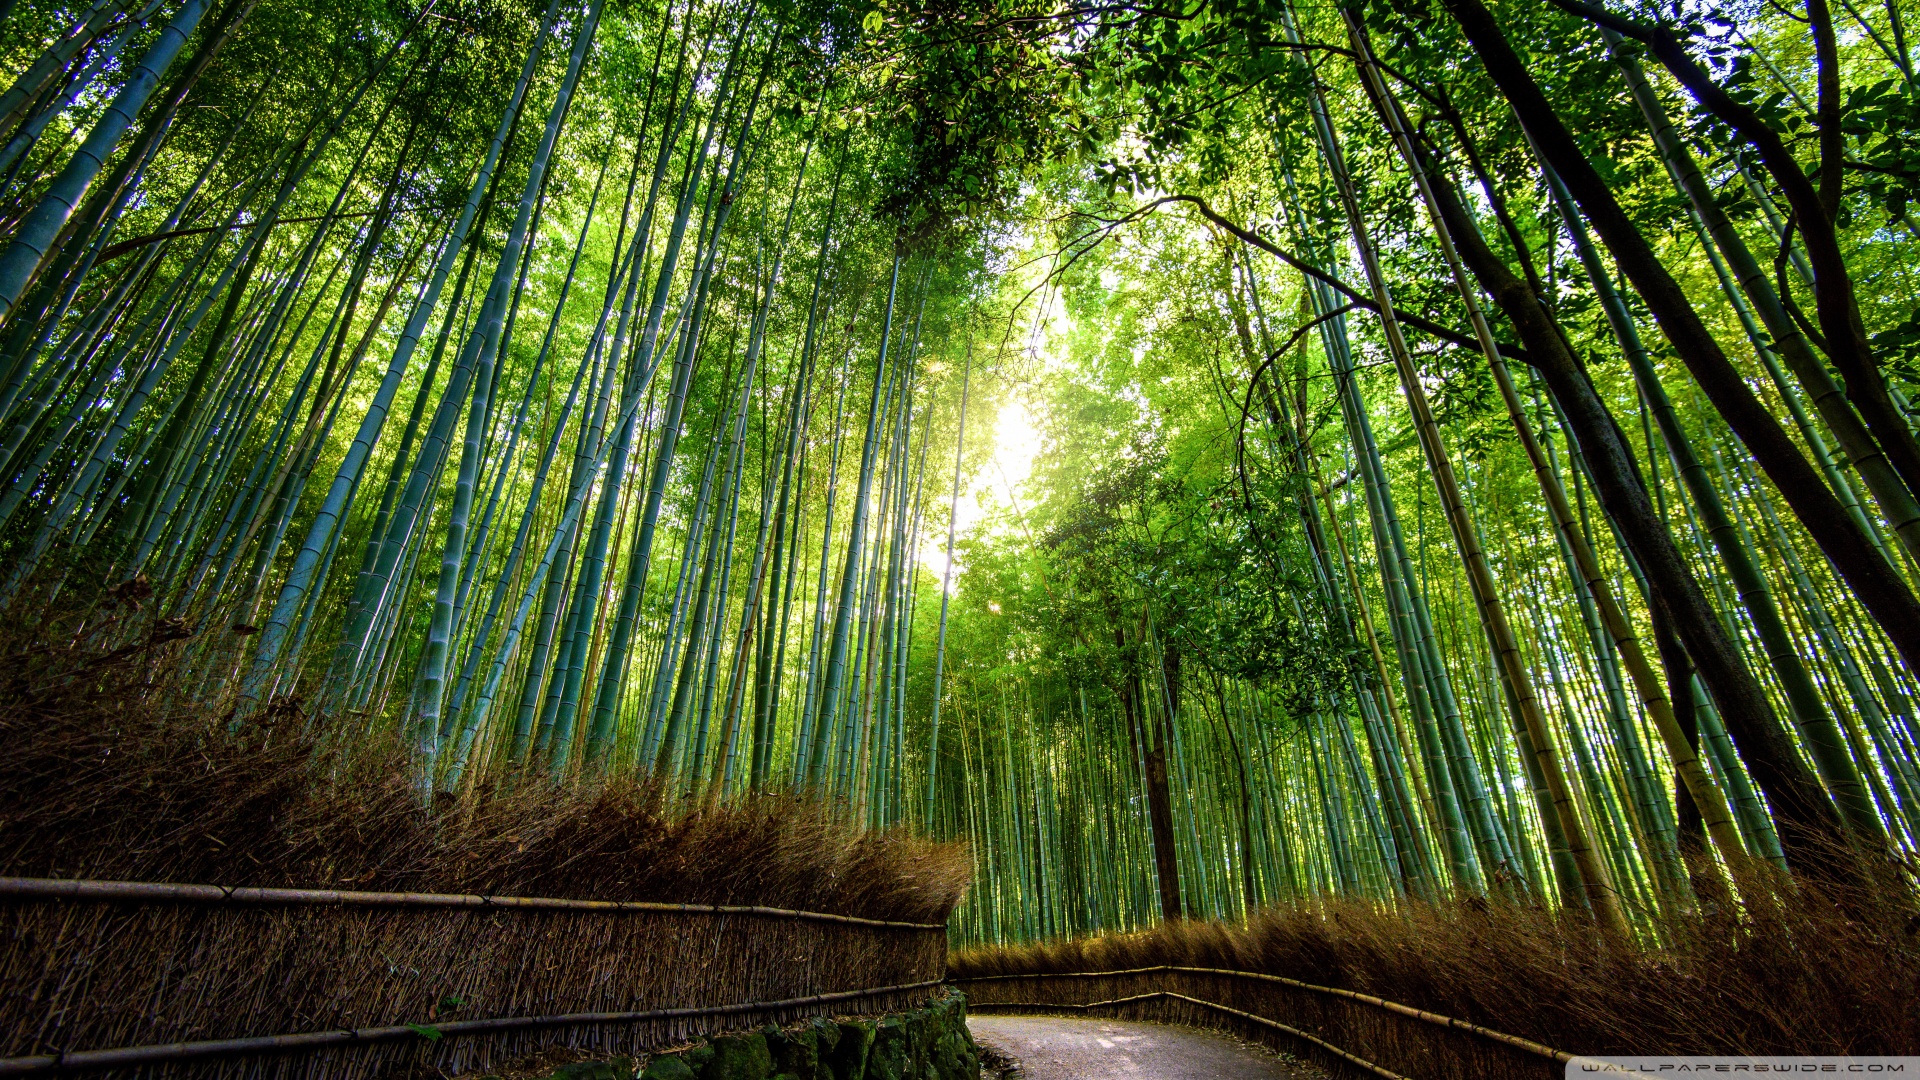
<point x="1061" y="1048"/>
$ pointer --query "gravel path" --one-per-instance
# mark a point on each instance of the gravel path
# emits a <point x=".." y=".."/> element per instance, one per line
<point x="1056" y="1048"/>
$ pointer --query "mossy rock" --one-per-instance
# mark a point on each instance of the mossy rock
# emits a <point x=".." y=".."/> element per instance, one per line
<point x="891" y="1057"/>
<point x="739" y="1057"/>
<point x="826" y="1034"/>
<point x="929" y="1043"/>
<point x="935" y="1022"/>
<point x="776" y="1042"/>
<point x="955" y="1057"/>
<point x="849" y="1057"/>
<point x="667" y="1067"/>
<point x="796" y="1053"/>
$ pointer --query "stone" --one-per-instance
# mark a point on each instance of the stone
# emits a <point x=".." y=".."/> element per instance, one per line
<point x="891" y="1057"/>
<point x="826" y="1033"/>
<point x="849" y="1057"/>
<point x="928" y="1043"/>
<point x="739" y="1057"/>
<point x="667" y="1067"/>
<point x="922" y="1028"/>
<point x="955" y="1057"/>
<point x="797" y="1054"/>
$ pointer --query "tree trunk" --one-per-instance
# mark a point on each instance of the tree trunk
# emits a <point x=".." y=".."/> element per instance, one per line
<point x="1152" y="753"/>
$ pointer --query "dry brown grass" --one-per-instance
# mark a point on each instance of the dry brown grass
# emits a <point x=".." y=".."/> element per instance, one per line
<point x="1805" y="975"/>
<point x="105" y="774"/>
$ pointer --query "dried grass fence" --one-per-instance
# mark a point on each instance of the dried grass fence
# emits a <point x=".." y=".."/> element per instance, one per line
<point x="762" y="909"/>
<point x="311" y="983"/>
<point x="1352" y="1033"/>
<point x="1470" y="990"/>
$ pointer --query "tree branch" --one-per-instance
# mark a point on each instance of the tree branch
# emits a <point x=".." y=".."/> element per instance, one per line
<point x="1418" y="322"/>
<point x="114" y="251"/>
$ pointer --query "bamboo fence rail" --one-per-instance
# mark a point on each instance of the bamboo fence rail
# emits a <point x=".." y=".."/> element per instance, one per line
<point x="132" y="1056"/>
<point x="160" y="892"/>
<point x="179" y="980"/>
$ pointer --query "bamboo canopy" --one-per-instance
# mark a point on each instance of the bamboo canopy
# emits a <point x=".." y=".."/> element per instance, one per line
<point x="1203" y="459"/>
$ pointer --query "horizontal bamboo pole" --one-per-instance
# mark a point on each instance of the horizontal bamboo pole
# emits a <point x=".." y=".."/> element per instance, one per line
<point x="1275" y="1024"/>
<point x="131" y="1056"/>
<point x="165" y="893"/>
<point x="1515" y="1041"/>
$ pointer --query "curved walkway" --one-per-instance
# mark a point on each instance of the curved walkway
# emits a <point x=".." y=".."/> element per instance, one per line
<point x="1064" y="1048"/>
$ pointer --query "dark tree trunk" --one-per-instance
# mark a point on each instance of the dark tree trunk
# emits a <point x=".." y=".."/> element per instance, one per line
<point x="1248" y="883"/>
<point x="1153" y="754"/>
<point x="1160" y="808"/>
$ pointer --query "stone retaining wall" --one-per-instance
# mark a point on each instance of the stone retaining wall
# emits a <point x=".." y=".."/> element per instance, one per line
<point x="928" y="1043"/>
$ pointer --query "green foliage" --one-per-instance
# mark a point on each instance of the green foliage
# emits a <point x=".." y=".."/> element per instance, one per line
<point x="1202" y="547"/>
<point x="1884" y="121"/>
<point x="969" y="96"/>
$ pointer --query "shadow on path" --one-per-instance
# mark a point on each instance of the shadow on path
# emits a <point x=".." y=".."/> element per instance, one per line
<point x="1064" y="1048"/>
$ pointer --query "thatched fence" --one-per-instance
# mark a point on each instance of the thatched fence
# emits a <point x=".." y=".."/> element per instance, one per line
<point x="200" y="980"/>
<point x="1352" y="1033"/>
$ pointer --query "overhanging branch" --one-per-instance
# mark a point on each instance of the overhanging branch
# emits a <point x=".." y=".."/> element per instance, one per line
<point x="1247" y="236"/>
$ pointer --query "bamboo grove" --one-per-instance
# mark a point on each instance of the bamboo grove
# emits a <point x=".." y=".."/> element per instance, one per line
<point x="1471" y="451"/>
